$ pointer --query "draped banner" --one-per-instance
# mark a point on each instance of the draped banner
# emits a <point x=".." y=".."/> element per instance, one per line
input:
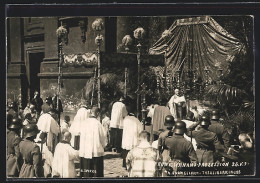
<point x="196" y="43"/>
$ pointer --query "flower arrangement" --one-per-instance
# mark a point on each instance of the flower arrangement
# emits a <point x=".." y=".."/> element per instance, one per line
<point x="61" y="31"/>
<point x="98" y="25"/>
<point x="139" y="33"/>
<point x="166" y="34"/>
<point x="99" y="39"/>
<point x="127" y="40"/>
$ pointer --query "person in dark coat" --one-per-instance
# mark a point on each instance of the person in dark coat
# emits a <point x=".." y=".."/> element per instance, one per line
<point x="37" y="101"/>
<point x="30" y="151"/>
<point x="220" y="130"/>
<point x="207" y="141"/>
<point x="13" y="153"/>
<point x="159" y="115"/>
<point x="47" y="106"/>
<point x="181" y="150"/>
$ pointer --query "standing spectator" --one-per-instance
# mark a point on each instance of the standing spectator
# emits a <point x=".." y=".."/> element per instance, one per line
<point x="47" y="105"/>
<point x="207" y="141"/>
<point x="30" y="151"/>
<point x="219" y="129"/>
<point x="160" y="113"/>
<point x="57" y="105"/>
<point x="116" y="125"/>
<point x="13" y="153"/>
<point x="92" y="144"/>
<point x="131" y="130"/>
<point x="38" y="102"/>
<point x="11" y="110"/>
<point x="64" y="156"/>
<point x="82" y="114"/>
<point x="141" y="160"/>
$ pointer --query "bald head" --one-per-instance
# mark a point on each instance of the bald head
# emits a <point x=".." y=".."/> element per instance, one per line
<point x="67" y="136"/>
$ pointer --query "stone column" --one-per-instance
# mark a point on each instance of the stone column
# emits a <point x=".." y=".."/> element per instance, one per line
<point x="16" y="80"/>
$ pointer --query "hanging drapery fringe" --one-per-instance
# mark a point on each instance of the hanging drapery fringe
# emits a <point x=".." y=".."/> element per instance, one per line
<point x="205" y="43"/>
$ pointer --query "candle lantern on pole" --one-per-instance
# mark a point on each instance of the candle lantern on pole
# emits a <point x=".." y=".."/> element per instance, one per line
<point x="143" y="94"/>
<point x="220" y="76"/>
<point x="98" y="26"/>
<point x="62" y="35"/>
<point x="138" y="34"/>
<point x="207" y="76"/>
<point x="126" y="41"/>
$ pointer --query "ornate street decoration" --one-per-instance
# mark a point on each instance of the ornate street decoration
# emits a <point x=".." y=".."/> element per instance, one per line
<point x="98" y="25"/>
<point x="99" y="39"/>
<point x="76" y="60"/>
<point x="139" y="33"/>
<point x="62" y="34"/>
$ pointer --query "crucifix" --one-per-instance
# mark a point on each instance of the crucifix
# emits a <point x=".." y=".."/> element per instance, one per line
<point x="143" y="94"/>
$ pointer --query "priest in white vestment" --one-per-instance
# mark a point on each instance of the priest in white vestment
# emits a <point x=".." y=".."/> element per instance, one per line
<point x="92" y="143"/>
<point x="63" y="165"/>
<point x="177" y="105"/>
<point x="116" y="124"/>
<point x="82" y="114"/>
<point x="131" y="130"/>
<point x="48" y="124"/>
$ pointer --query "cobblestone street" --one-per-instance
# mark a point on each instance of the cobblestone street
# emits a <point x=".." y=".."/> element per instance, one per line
<point x="112" y="165"/>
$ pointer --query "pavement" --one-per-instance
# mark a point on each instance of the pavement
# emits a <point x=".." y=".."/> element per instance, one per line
<point x="112" y="165"/>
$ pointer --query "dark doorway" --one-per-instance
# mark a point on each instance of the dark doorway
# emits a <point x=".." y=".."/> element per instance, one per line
<point x="35" y="60"/>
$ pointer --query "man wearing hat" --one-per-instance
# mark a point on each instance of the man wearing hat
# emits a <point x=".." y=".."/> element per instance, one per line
<point x="13" y="154"/>
<point x="219" y="129"/>
<point x="181" y="150"/>
<point x="207" y="141"/>
<point x="30" y="151"/>
<point x="168" y="123"/>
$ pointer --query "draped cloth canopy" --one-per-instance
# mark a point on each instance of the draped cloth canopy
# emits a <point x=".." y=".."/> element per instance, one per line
<point x="196" y="43"/>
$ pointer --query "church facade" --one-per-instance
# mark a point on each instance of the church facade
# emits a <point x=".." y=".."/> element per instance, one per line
<point x="33" y="53"/>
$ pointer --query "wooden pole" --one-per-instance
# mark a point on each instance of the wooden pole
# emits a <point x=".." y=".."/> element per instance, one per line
<point x="138" y="79"/>
<point x="99" y="82"/>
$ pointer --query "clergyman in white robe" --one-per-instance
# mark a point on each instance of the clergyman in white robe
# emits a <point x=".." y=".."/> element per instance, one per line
<point x="63" y="161"/>
<point x="131" y="130"/>
<point x="47" y="123"/>
<point x="82" y="114"/>
<point x="92" y="143"/>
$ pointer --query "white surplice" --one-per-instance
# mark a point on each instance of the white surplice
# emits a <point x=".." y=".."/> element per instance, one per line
<point x="82" y="114"/>
<point x="92" y="139"/>
<point x="63" y="161"/>
<point x="118" y="113"/>
<point x="47" y="123"/>
<point x="131" y="130"/>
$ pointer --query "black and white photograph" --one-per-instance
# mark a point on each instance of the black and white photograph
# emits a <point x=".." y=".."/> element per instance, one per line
<point x="130" y="96"/>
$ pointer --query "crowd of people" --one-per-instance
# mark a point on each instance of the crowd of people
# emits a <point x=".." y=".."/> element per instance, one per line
<point x="38" y="145"/>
